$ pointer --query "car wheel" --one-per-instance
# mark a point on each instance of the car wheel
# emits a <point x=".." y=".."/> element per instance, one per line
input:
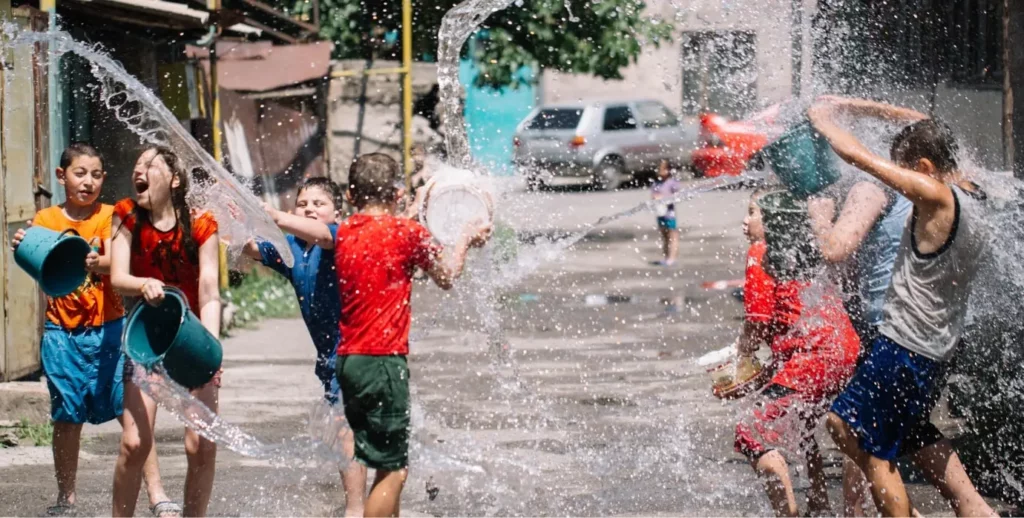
<point x="534" y="183"/>
<point x="608" y="175"/>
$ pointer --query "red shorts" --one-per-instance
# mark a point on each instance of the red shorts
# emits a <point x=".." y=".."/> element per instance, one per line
<point x="782" y="419"/>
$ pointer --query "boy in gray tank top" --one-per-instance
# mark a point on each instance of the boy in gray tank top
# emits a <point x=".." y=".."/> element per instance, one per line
<point x="884" y="410"/>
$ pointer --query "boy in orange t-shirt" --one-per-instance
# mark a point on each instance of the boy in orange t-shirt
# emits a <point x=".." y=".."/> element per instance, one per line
<point x="81" y="343"/>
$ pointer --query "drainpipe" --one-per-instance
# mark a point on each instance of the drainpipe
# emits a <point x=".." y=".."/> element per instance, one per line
<point x="52" y="101"/>
<point x="797" y="50"/>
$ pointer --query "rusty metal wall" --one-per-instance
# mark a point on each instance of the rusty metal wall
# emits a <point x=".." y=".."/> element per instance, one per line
<point x="285" y="138"/>
<point x="25" y="163"/>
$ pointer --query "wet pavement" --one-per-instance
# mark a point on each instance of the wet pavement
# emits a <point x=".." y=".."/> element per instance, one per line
<point x="593" y="404"/>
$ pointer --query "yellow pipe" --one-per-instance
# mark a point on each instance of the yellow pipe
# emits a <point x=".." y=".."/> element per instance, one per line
<point x="218" y="153"/>
<point x="407" y="92"/>
<point x="368" y="72"/>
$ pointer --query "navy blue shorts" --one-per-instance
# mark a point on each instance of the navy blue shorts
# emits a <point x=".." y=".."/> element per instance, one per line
<point x="889" y="400"/>
<point x="325" y="372"/>
<point x="84" y="372"/>
<point x="667" y="223"/>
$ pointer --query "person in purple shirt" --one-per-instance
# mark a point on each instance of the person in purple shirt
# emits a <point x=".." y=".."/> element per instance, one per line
<point x="665" y="186"/>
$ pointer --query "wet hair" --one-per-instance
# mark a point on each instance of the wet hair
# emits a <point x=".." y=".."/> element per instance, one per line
<point x="373" y="178"/>
<point x="930" y="139"/>
<point x="202" y="177"/>
<point x="182" y="214"/>
<point x="76" y="150"/>
<point x="325" y="185"/>
<point x="758" y="192"/>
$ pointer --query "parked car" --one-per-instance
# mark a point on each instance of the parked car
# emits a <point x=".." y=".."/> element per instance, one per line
<point x="603" y="143"/>
<point x="726" y="147"/>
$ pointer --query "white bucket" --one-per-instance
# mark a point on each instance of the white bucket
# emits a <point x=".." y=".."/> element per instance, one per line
<point x="451" y="202"/>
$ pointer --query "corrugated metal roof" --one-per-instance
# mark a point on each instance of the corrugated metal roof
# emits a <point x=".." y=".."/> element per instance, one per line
<point x="173" y="8"/>
<point x="259" y="67"/>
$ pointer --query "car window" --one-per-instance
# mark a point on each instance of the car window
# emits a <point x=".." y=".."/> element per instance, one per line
<point x="655" y="115"/>
<point x="618" y="118"/>
<point x="556" y="118"/>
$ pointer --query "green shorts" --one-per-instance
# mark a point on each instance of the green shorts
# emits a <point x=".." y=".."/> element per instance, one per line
<point x="375" y="392"/>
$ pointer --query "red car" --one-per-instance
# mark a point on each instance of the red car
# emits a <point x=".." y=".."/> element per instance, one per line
<point x="727" y="146"/>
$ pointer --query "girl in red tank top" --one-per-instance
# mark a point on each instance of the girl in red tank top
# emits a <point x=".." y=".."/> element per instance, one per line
<point x="159" y="242"/>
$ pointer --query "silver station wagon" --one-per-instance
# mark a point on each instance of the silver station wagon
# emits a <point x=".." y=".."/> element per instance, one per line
<point x="603" y="143"/>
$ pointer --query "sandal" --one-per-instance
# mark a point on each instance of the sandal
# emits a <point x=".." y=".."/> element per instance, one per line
<point x="61" y="510"/>
<point x="166" y="509"/>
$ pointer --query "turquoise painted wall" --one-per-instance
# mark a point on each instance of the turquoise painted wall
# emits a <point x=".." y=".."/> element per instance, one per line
<point x="492" y="117"/>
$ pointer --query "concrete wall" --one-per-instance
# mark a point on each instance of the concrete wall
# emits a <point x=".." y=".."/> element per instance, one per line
<point x="381" y="129"/>
<point x="658" y="71"/>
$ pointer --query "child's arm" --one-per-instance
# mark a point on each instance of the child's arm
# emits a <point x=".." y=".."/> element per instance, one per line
<point x="152" y="290"/>
<point x="209" y="286"/>
<point x="920" y="189"/>
<point x="838" y="241"/>
<point x="252" y="250"/>
<point x="443" y="272"/>
<point x="308" y="230"/>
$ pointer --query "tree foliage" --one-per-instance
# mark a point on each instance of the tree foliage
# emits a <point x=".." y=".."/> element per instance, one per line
<point x="600" y="37"/>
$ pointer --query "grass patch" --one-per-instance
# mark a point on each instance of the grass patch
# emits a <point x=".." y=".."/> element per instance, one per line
<point x="261" y="294"/>
<point x="34" y="434"/>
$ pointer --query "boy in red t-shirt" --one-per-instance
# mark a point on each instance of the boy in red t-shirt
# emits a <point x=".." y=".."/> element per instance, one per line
<point x="376" y="254"/>
<point x="814" y="351"/>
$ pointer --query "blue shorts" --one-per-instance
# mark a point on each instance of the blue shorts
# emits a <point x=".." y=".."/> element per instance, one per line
<point x="667" y="223"/>
<point x="889" y="400"/>
<point x="84" y="372"/>
<point x="325" y="372"/>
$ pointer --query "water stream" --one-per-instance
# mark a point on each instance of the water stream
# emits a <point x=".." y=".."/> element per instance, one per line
<point x="240" y="215"/>
<point x="490" y="273"/>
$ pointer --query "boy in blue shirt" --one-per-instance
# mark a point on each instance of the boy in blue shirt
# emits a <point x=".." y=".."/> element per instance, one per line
<point x="312" y="227"/>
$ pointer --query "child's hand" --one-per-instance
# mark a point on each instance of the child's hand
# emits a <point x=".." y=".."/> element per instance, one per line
<point x="234" y="210"/>
<point x="480" y="234"/>
<point x="92" y="261"/>
<point x="271" y="211"/>
<point x="17" y="239"/>
<point x="153" y="292"/>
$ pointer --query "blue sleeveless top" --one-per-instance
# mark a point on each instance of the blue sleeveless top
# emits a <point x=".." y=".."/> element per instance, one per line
<point x="877" y="256"/>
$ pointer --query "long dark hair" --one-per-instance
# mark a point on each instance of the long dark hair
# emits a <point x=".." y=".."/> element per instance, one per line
<point x="182" y="214"/>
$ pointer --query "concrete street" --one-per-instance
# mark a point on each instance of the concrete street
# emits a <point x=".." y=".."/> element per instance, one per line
<point x="595" y="407"/>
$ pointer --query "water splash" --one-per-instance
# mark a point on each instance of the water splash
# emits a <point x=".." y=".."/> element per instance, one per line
<point x="322" y="444"/>
<point x="240" y="215"/>
<point x="457" y="25"/>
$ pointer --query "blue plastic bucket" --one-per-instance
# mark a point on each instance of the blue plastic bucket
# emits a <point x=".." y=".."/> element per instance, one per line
<point x="173" y="334"/>
<point x="54" y="259"/>
<point x="802" y="160"/>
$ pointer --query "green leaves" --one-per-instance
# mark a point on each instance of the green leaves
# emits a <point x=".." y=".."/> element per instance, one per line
<point x="600" y="37"/>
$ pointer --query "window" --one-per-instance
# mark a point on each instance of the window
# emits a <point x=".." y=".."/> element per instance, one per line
<point x="655" y="115"/>
<point x="617" y="118"/>
<point x="719" y="73"/>
<point x="556" y="119"/>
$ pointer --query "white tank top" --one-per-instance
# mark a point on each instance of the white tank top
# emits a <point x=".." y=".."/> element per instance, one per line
<point x="926" y="303"/>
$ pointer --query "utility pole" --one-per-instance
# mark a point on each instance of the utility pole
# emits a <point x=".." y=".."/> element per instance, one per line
<point x="1013" y="21"/>
<point x="797" y="50"/>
